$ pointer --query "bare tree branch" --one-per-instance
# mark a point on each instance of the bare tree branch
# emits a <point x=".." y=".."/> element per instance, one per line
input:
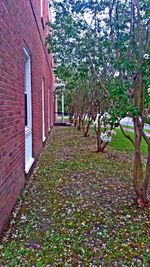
<point x="126" y="135"/>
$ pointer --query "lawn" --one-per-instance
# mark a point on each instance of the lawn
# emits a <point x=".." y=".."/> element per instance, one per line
<point x="121" y="143"/>
<point x="131" y="127"/>
<point x="78" y="209"/>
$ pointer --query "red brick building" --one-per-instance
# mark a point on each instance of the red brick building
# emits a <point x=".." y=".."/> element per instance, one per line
<point x="26" y="94"/>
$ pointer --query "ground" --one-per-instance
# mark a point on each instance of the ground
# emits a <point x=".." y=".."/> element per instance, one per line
<point x="78" y="209"/>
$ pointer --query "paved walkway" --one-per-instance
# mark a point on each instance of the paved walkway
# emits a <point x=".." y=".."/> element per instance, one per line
<point x="77" y="210"/>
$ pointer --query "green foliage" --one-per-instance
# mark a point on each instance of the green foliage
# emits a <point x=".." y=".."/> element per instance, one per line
<point x="89" y="43"/>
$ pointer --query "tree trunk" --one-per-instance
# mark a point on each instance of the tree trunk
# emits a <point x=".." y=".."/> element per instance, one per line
<point x="137" y="167"/>
<point x="137" y="172"/>
<point x="75" y="122"/>
<point x="98" y="143"/>
<point x="103" y="146"/>
<point x="140" y="181"/>
<point x="79" y="123"/>
<point x="98" y="134"/>
<point x="144" y="199"/>
<point x="86" y="130"/>
<point x="82" y="121"/>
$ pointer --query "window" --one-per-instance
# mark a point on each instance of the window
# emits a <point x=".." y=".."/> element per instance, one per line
<point x="43" y="110"/>
<point x="41" y="8"/>
<point x="49" y="109"/>
<point x="28" y="111"/>
<point x="49" y="11"/>
<point x="26" y="108"/>
<point x="42" y="19"/>
<point x="27" y="89"/>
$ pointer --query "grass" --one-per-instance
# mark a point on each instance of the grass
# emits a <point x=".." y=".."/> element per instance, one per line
<point x="121" y="143"/>
<point x="77" y="209"/>
<point x="131" y="127"/>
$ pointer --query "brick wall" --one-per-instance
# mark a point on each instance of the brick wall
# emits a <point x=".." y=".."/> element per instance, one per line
<point x="21" y="26"/>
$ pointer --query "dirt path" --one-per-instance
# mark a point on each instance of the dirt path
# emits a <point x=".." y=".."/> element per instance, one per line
<point x="77" y="210"/>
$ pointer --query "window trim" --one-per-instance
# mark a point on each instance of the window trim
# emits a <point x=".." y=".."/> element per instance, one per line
<point x="43" y="110"/>
<point x="27" y="88"/>
<point x="41" y="3"/>
<point x="42" y="19"/>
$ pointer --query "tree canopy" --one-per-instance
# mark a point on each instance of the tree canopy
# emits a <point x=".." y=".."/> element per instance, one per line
<point x="102" y="53"/>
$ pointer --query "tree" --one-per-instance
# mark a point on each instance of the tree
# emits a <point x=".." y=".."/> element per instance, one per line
<point x="106" y="44"/>
<point x="131" y="42"/>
